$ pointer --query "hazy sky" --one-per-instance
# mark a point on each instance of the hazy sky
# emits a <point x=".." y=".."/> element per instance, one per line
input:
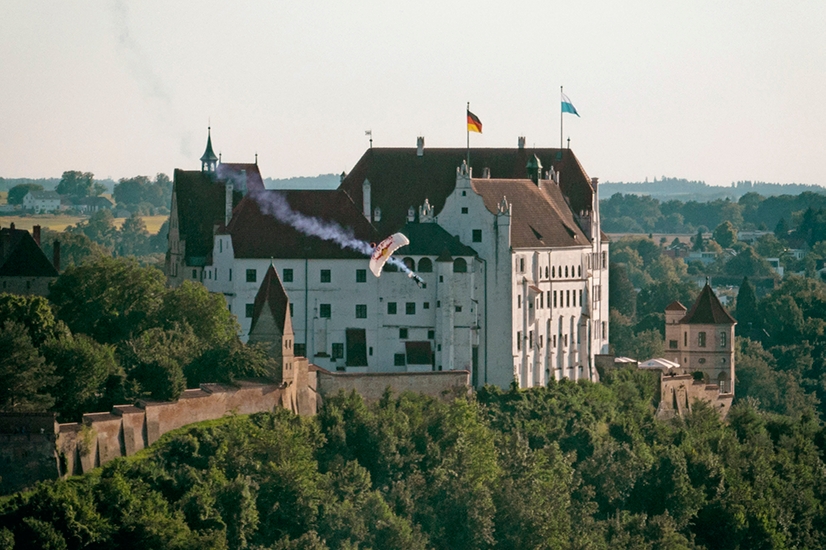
<point x="715" y="91"/>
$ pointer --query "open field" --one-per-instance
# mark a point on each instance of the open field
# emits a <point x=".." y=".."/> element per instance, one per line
<point x="60" y="222"/>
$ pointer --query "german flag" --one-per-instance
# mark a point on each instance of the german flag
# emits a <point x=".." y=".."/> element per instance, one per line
<point x="473" y="123"/>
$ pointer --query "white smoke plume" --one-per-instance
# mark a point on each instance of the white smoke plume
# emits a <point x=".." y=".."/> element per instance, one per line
<point x="276" y="205"/>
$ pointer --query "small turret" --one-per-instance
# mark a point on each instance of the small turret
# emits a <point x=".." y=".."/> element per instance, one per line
<point x="534" y="167"/>
<point x="208" y="159"/>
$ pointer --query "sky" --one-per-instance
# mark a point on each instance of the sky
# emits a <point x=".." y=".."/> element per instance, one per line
<point x="702" y="90"/>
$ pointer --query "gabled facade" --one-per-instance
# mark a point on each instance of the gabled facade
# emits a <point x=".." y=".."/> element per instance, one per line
<point x="41" y="201"/>
<point x="24" y="268"/>
<point x="702" y="339"/>
<point x="514" y="263"/>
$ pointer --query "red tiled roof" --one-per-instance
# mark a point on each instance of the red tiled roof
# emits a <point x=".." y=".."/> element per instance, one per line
<point x="259" y="235"/>
<point x="540" y="218"/>
<point x="400" y="179"/>
<point x="21" y="257"/>
<point x="675" y="306"/>
<point x="272" y="295"/>
<point x="708" y="310"/>
<point x="233" y="171"/>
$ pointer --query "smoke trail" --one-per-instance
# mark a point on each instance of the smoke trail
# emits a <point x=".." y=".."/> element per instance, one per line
<point x="276" y="205"/>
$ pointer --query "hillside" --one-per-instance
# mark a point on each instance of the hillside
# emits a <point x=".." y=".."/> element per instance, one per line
<point x="681" y="189"/>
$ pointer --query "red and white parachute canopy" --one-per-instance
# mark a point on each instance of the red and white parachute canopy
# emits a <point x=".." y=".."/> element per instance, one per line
<point x="384" y="250"/>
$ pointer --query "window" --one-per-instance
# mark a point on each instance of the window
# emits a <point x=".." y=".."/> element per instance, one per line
<point x="431" y="334"/>
<point x="194" y="273"/>
<point x="519" y="341"/>
<point x="403" y="334"/>
<point x="553" y="271"/>
<point x="685" y="339"/>
<point x="291" y="309"/>
<point x="604" y="260"/>
<point x="300" y="349"/>
<point x="288" y="275"/>
<point x="604" y="331"/>
<point x="324" y="311"/>
<point x="672" y="344"/>
<point x="518" y="302"/>
<point x="459" y="265"/>
<point x="701" y="339"/>
<point x="548" y="298"/>
<point x="410" y="308"/>
<point x="425" y="265"/>
<point x="399" y="359"/>
<point x="252" y="276"/>
<point x="546" y="272"/>
<point x="580" y="297"/>
<point x="361" y="311"/>
<point x="530" y="340"/>
<point x="579" y="271"/>
<point x="325" y="276"/>
<point x="426" y="305"/>
<point x="477" y="235"/>
<point x="567" y="298"/>
<point x="541" y="300"/>
<point x="249" y="311"/>
<point x="722" y="339"/>
<point x="521" y="265"/>
<point x="464" y="210"/>
<point x="391" y="308"/>
<point x="574" y="293"/>
<point x="361" y="275"/>
<point x="409" y="263"/>
<point x="566" y="271"/>
<point x="458" y="309"/>
<point x="230" y="274"/>
<point x="338" y="351"/>
<point x="554" y="298"/>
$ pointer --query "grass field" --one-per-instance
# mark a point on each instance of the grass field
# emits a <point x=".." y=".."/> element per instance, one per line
<point x="59" y="222"/>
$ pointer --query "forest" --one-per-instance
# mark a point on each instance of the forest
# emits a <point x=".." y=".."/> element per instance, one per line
<point x="572" y="465"/>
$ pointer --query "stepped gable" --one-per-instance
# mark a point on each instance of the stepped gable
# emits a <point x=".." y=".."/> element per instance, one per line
<point x="200" y="197"/>
<point x="708" y="310"/>
<point x="540" y="216"/>
<point x="675" y="306"/>
<point x="259" y="235"/>
<point x="271" y="295"/>
<point x="20" y="256"/>
<point x="399" y="178"/>
<point x="431" y="239"/>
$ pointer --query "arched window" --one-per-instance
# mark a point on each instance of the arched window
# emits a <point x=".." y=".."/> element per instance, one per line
<point x="579" y="271"/>
<point x="411" y="265"/>
<point x="459" y="265"/>
<point x="566" y="271"/>
<point x="553" y="271"/>
<point x="425" y="265"/>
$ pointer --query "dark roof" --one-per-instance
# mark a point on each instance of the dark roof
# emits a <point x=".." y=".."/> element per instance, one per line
<point x="21" y="257"/>
<point x="675" y="306"/>
<point x="540" y="217"/>
<point x="400" y="179"/>
<point x="44" y="195"/>
<point x="256" y="234"/>
<point x="271" y="295"/>
<point x="200" y="200"/>
<point x="708" y="310"/>
<point x="209" y="154"/>
<point x="431" y="239"/>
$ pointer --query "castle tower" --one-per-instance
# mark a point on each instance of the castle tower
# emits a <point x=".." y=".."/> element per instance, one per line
<point x="674" y="313"/>
<point x="705" y="340"/>
<point x="271" y="325"/>
<point x="208" y="159"/>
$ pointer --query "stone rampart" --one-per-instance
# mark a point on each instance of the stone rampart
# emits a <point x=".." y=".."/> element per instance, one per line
<point x="371" y="386"/>
<point x="678" y="392"/>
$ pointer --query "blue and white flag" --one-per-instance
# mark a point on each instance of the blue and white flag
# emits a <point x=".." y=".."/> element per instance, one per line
<point x="567" y="106"/>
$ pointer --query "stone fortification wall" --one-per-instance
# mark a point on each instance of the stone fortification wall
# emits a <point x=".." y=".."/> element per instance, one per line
<point x="437" y="384"/>
<point x="27" y="443"/>
<point x="679" y="391"/>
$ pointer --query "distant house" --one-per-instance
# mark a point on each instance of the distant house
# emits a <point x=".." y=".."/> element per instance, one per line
<point x="93" y="204"/>
<point x="42" y="201"/>
<point x="24" y="268"/>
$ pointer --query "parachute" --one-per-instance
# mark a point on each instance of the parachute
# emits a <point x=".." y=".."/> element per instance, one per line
<point x="384" y="250"/>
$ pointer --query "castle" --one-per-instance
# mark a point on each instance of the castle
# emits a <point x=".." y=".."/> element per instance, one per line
<point x="514" y="263"/>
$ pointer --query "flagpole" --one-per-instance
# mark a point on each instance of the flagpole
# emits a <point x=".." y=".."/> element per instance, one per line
<point x="467" y="129"/>
<point x="560" y="117"/>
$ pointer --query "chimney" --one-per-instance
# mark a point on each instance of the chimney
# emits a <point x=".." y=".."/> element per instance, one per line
<point x="521" y="142"/>
<point x="377" y="214"/>
<point x="486" y="173"/>
<point x="365" y="199"/>
<point x="411" y="214"/>
<point x="227" y="202"/>
<point x="420" y="146"/>
<point x="11" y="226"/>
<point x="243" y="183"/>
<point x="36" y="234"/>
<point x="56" y="256"/>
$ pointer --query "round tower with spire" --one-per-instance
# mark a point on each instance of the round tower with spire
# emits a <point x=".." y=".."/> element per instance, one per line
<point x="208" y="159"/>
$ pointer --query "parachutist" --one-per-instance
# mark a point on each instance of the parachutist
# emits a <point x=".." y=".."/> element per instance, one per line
<point x="419" y="280"/>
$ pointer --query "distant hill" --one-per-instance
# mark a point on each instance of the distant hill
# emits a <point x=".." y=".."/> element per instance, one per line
<point x="49" y="184"/>
<point x="322" y="181"/>
<point x="682" y="189"/>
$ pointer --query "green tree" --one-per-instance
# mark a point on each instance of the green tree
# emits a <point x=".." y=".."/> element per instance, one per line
<point x="747" y="316"/>
<point x="86" y="369"/>
<point x="621" y="293"/>
<point x="228" y="362"/>
<point x="100" y="228"/>
<point x="34" y="313"/>
<point x="17" y="192"/>
<point x="155" y="361"/>
<point x="781" y="230"/>
<point x="25" y="376"/>
<point x="205" y="312"/>
<point x="79" y="184"/>
<point x="748" y="264"/>
<point x="109" y="299"/>
<point x="698" y="241"/>
<point x="133" y="238"/>
<point x="725" y="234"/>
<point x="75" y="248"/>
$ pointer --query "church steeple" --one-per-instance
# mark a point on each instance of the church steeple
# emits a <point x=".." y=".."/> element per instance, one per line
<point x="208" y="159"/>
